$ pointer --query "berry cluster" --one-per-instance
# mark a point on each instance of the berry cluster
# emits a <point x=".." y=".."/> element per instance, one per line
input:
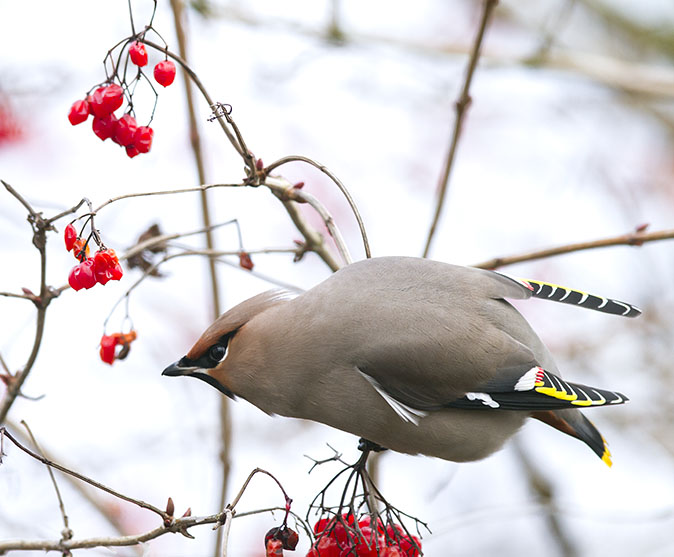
<point x="335" y="540"/>
<point x="109" y="351"/>
<point x="101" y="268"/>
<point x="106" y="99"/>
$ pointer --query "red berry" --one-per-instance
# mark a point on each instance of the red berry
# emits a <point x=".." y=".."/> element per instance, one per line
<point x="165" y="73"/>
<point x="410" y="547"/>
<point x="113" y="97"/>
<point x="117" y="272"/>
<point x="142" y="141"/>
<point x="69" y="235"/>
<point x="95" y="101"/>
<point x="125" y="130"/>
<point x="82" y="275"/>
<point x="106" y="100"/>
<point x="107" y="351"/>
<point x="73" y="279"/>
<point x="321" y="525"/>
<point x="325" y="547"/>
<point x="104" y="128"/>
<point x="132" y="151"/>
<point x="79" y="112"/>
<point x="138" y="54"/>
<point x="102" y="264"/>
<point x="366" y="545"/>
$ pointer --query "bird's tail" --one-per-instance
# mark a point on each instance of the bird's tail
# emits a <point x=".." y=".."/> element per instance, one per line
<point x="574" y="423"/>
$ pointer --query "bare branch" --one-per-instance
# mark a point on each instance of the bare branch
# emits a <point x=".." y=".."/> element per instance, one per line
<point x="339" y="184"/>
<point x="461" y="106"/>
<point x="5" y="433"/>
<point x="284" y="190"/>
<point x="636" y="238"/>
<point x="40" y="227"/>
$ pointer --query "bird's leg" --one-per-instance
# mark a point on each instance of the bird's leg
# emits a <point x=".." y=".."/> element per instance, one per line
<point x="366" y="445"/>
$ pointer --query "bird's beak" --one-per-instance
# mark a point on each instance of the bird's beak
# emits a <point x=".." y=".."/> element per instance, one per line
<point x="176" y="370"/>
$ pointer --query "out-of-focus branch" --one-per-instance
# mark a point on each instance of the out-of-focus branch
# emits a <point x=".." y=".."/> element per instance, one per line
<point x="636" y="238"/>
<point x="67" y="533"/>
<point x="543" y="489"/>
<point x="225" y="430"/>
<point x="461" y="106"/>
<point x="650" y="80"/>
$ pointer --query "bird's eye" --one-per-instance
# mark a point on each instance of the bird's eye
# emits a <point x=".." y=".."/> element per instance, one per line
<point x="217" y="352"/>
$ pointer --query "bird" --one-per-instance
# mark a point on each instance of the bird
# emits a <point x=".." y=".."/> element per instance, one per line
<point x="413" y="355"/>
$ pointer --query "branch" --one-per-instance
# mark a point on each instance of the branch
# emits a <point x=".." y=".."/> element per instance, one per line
<point x="67" y="533"/>
<point x="337" y="181"/>
<point x="43" y="460"/>
<point x="636" y="238"/>
<point x="40" y="227"/>
<point x="286" y="192"/>
<point x="87" y="493"/>
<point x="461" y="106"/>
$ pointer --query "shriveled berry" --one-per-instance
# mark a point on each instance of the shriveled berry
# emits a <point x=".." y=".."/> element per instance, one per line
<point x="165" y="73"/>
<point x="245" y="261"/>
<point x="70" y="235"/>
<point x="125" y="130"/>
<point x="142" y="141"/>
<point x="79" y="112"/>
<point x="273" y="548"/>
<point x="138" y="54"/>
<point x="104" y="128"/>
<point x="80" y="249"/>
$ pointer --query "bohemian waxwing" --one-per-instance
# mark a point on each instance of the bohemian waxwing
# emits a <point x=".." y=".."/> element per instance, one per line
<point x="414" y="355"/>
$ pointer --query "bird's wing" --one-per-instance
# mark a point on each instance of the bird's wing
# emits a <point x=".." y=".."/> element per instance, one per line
<point x="534" y="390"/>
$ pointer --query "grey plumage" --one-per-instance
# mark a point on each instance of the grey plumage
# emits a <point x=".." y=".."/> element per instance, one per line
<point x="411" y="354"/>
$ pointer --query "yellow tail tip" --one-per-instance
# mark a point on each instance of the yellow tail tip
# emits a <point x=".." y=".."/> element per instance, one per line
<point x="606" y="457"/>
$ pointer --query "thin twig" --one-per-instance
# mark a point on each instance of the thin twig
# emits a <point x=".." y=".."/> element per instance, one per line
<point x="5" y="433"/>
<point x="87" y="493"/>
<point x="340" y="185"/>
<point x="224" y="536"/>
<point x="284" y="190"/>
<point x="461" y="106"/>
<point x="636" y="238"/>
<point x="164" y="192"/>
<point x="67" y="532"/>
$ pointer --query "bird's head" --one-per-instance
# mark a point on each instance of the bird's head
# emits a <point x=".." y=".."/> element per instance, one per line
<point x="208" y="358"/>
<point x="200" y="362"/>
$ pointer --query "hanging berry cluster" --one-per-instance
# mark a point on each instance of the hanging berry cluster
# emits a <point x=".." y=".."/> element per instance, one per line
<point x="341" y="537"/>
<point x="103" y="267"/>
<point x="104" y="99"/>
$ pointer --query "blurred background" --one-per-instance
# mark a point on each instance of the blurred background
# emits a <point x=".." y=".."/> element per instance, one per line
<point x="569" y="138"/>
